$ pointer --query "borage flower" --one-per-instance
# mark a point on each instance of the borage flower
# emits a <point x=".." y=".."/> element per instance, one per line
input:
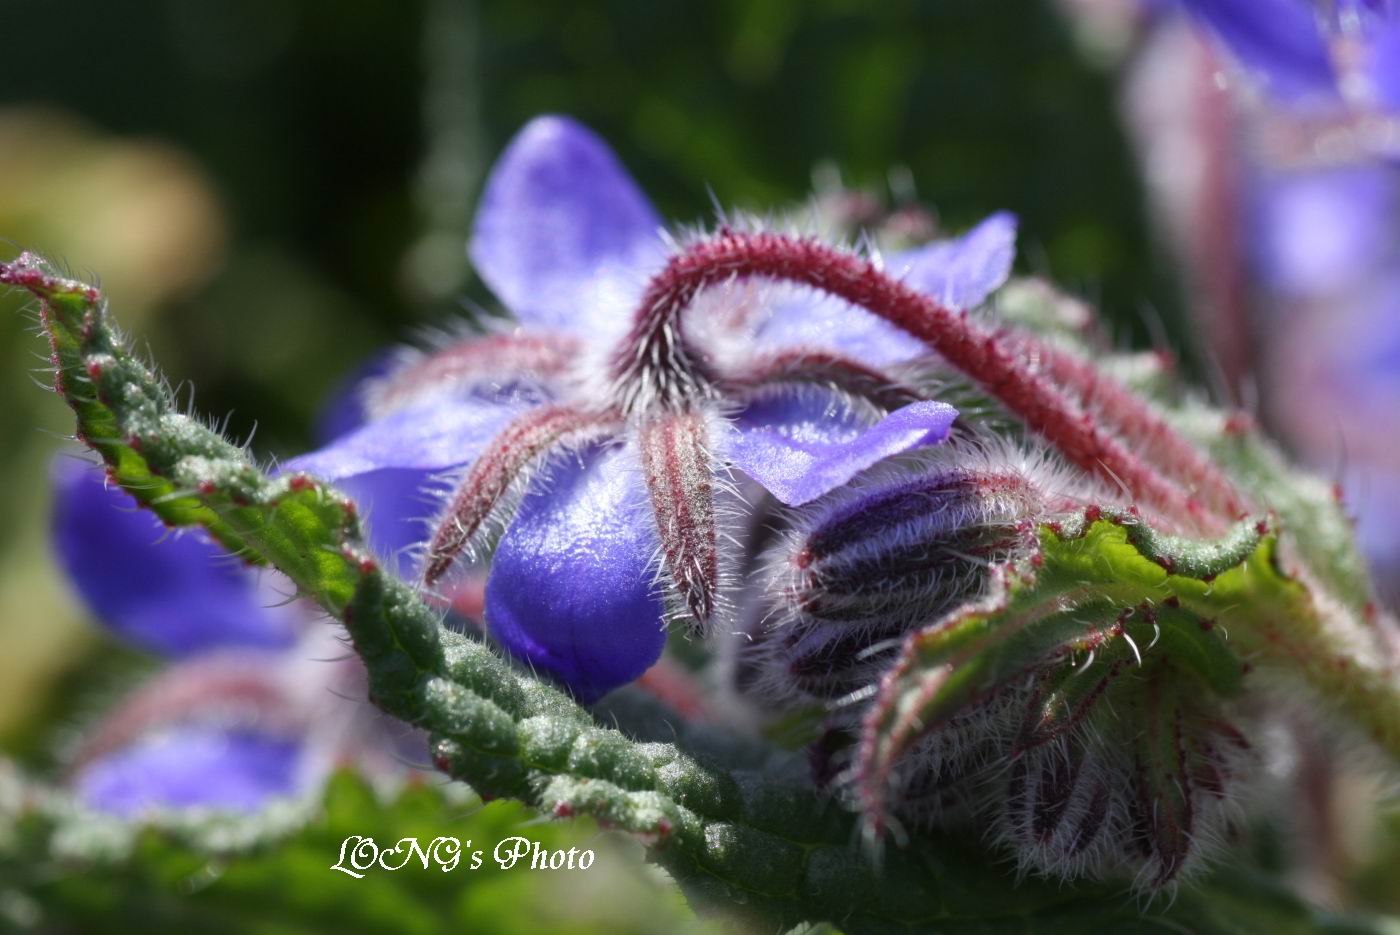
<point x="254" y="705"/>
<point x="596" y="442"/>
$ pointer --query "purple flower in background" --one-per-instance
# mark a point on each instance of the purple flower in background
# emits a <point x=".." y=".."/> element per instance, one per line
<point x="252" y="707"/>
<point x="1323" y="231"/>
<point x="1281" y="40"/>
<point x="1313" y="55"/>
<point x="603" y="521"/>
<point x="1286" y="205"/>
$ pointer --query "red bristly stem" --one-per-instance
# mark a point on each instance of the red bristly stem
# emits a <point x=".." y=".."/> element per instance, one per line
<point x="676" y="461"/>
<point x="491" y="476"/>
<point x="1133" y="419"/>
<point x="653" y="365"/>
<point x="677" y="687"/>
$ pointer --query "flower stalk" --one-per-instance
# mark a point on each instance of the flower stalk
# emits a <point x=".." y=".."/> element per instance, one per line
<point x="654" y="366"/>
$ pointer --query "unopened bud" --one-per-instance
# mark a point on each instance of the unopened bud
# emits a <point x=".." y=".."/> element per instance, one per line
<point x="1187" y="760"/>
<point x="1063" y="802"/>
<point x="820" y="660"/>
<point x="949" y="776"/>
<point x="903" y="554"/>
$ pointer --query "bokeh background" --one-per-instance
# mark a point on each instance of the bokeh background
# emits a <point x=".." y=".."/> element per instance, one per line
<point x="272" y="190"/>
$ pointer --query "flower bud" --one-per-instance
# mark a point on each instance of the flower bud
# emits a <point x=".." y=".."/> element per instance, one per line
<point x="1142" y="788"/>
<point x="1187" y="762"/>
<point x="902" y="554"/>
<point x="819" y="661"/>
<point x="952" y="774"/>
<point x="1063" y="803"/>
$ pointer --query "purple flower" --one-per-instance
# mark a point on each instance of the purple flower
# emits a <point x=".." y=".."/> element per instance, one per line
<point x="1280" y="40"/>
<point x="1306" y="55"/>
<point x="252" y="706"/>
<point x="181" y="767"/>
<point x="178" y="594"/>
<point x="1323" y="231"/>
<point x="604" y="515"/>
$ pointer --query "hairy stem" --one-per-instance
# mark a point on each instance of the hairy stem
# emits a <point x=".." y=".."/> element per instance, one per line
<point x="679" y="473"/>
<point x="1133" y="418"/>
<point x="653" y="364"/>
<point x="1302" y="632"/>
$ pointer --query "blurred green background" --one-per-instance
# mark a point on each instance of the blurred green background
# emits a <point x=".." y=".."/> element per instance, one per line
<point x="272" y="189"/>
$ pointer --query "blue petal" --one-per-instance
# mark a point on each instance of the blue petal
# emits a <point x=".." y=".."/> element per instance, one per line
<point x="1360" y="17"/>
<point x="176" y="594"/>
<point x="805" y="319"/>
<point x="1280" y="40"/>
<point x="344" y="410"/>
<point x="1384" y="66"/>
<point x="430" y="436"/>
<point x="396" y="505"/>
<point x="571" y="588"/>
<point x="962" y="272"/>
<point x="559" y="215"/>
<point x="800" y="447"/>
<point x="1323" y="230"/>
<point x="184" y="767"/>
